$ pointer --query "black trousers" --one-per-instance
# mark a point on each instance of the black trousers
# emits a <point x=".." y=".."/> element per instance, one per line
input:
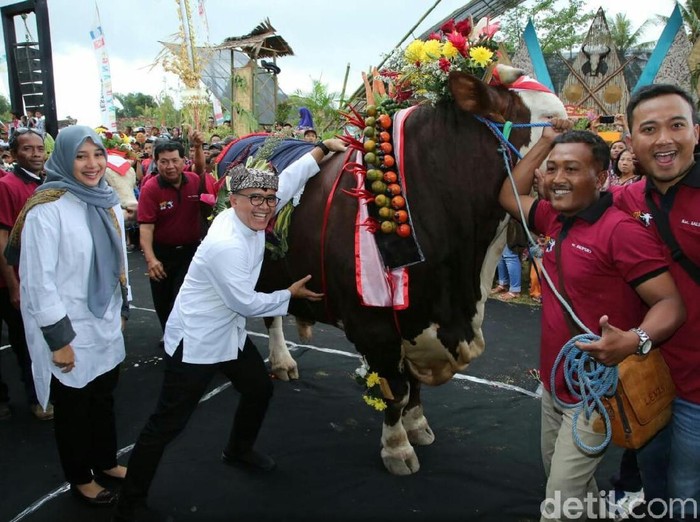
<point x="15" y="334"/>
<point x="176" y="261"/>
<point x="183" y="386"/>
<point x="84" y="426"/>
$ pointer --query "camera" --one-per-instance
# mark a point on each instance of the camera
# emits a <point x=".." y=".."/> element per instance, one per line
<point x="607" y="119"/>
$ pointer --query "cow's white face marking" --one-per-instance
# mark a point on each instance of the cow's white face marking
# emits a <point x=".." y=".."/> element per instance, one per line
<point x="543" y="107"/>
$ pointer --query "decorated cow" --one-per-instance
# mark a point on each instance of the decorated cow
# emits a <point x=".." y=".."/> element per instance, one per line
<point x="452" y="169"/>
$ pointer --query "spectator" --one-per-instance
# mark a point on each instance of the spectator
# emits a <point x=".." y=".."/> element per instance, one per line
<point x="15" y="190"/>
<point x="169" y="222"/>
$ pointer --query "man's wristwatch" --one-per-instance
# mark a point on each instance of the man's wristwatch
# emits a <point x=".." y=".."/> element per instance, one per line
<point x="323" y="148"/>
<point x="645" y="342"/>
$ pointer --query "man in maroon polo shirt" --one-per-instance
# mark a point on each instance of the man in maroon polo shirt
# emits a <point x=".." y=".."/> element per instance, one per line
<point x="27" y="147"/>
<point x="169" y="222"/>
<point x="664" y="133"/>
<point x="612" y="270"/>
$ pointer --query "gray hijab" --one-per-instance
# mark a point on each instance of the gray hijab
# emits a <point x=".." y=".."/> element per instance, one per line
<point x="107" y="257"/>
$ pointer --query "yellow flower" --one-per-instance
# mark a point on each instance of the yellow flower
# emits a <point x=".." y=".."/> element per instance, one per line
<point x="372" y="379"/>
<point x="431" y="50"/>
<point x="481" y="55"/>
<point x="377" y="404"/>
<point x="449" y="50"/>
<point x="414" y="51"/>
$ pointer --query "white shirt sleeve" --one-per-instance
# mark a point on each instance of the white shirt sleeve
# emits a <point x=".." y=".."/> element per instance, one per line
<point x="38" y="261"/>
<point x="232" y="276"/>
<point x="293" y="178"/>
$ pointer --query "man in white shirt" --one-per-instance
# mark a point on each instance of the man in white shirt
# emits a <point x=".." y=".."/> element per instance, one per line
<point x="206" y="332"/>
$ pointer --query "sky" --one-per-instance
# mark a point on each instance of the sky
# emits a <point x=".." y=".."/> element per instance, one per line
<point x="326" y="36"/>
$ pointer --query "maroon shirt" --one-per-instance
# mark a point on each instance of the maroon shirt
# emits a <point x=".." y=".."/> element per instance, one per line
<point x="15" y="189"/>
<point x="604" y="255"/>
<point x="682" y="350"/>
<point x="174" y="212"/>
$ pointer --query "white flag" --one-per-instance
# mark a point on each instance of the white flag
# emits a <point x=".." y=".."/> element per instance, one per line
<point x="109" y="115"/>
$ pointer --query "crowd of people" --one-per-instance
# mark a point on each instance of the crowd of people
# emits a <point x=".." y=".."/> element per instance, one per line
<point x="65" y="233"/>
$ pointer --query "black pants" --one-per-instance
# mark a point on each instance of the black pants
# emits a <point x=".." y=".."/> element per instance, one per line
<point x="84" y="425"/>
<point x="183" y="386"/>
<point x="176" y="261"/>
<point x="15" y="334"/>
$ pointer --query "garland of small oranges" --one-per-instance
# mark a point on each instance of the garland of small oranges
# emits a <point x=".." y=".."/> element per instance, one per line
<point x="382" y="179"/>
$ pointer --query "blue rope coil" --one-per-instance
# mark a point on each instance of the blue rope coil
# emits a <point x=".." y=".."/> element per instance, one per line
<point x="588" y="382"/>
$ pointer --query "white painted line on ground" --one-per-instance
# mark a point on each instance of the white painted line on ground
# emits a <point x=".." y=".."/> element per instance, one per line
<point x="293" y="346"/>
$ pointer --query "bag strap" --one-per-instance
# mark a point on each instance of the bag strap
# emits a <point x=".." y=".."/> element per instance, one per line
<point x="573" y="327"/>
<point x="664" y="227"/>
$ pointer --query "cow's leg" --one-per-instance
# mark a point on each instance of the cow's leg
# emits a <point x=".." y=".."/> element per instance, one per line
<point x="414" y="421"/>
<point x="305" y="329"/>
<point x="284" y="367"/>
<point x="398" y="455"/>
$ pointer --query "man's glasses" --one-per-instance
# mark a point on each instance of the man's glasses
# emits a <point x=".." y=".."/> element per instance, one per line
<point x="257" y="199"/>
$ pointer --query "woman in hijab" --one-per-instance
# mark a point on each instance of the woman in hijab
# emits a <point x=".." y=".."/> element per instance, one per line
<point x="74" y="298"/>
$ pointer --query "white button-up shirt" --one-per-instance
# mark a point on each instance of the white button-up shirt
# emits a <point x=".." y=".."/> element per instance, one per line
<point x="55" y="260"/>
<point x="209" y="314"/>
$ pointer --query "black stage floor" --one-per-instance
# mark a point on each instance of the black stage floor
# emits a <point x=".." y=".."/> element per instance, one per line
<point x="484" y="464"/>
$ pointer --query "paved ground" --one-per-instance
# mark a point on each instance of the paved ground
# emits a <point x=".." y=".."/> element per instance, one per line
<point x="484" y="464"/>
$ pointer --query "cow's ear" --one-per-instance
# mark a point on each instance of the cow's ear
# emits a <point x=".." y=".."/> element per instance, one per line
<point x="472" y="95"/>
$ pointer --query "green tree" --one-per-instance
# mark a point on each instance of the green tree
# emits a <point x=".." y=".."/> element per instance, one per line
<point x="135" y="104"/>
<point x="5" y="108"/>
<point x="625" y="39"/>
<point x="558" y="29"/>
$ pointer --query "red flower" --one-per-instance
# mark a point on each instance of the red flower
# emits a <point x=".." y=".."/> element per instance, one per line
<point x="464" y="27"/>
<point x="434" y="36"/>
<point x="448" y="26"/>
<point x="444" y="64"/>
<point x="459" y="41"/>
<point x="108" y="135"/>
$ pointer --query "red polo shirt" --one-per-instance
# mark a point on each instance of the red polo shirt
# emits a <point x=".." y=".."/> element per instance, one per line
<point x="682" y="350"/>
<point x="605" y="255"/>
<point x="15" y="189"/>
<point x="173" y="211"/>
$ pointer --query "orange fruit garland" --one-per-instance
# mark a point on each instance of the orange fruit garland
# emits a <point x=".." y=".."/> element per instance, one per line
<point x="382" y="180"/>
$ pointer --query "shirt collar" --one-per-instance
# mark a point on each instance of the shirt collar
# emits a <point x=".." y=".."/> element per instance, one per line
<point x="164" y="184"/>
<point x="691" y="179"/>
<point x="245" y="229"/>
<point x="592" y="213"/>
<point x="27" y="176"/>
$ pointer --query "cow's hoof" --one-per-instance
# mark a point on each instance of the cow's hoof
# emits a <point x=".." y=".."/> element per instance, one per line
<point x="421" y="436"/>
<point x="401" y="466"/>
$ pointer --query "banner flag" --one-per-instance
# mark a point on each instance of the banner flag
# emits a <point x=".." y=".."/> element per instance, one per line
<point x="107" y="110"/>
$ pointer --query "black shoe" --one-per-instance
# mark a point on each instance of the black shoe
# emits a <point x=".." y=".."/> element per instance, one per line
<point x="106" y="497"/>
<point x="250" y="459"/>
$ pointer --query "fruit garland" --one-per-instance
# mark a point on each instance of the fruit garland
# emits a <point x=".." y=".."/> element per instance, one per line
<point x="381" y="176"/>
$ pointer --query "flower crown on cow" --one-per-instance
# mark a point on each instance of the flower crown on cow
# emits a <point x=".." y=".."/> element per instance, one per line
<point x="422" y="68"/>
<point x="114" y="140"/>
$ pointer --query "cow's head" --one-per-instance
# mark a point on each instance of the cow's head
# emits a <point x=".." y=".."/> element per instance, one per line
<point x="495" y="102"/>
<point x="595" y="55"/>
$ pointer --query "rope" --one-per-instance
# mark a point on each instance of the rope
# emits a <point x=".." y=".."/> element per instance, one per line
<point x="587" y="379"/>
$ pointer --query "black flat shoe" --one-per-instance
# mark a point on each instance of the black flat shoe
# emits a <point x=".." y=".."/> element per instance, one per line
<point x="106" y="497"/>
<point x="250" y="459"/>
